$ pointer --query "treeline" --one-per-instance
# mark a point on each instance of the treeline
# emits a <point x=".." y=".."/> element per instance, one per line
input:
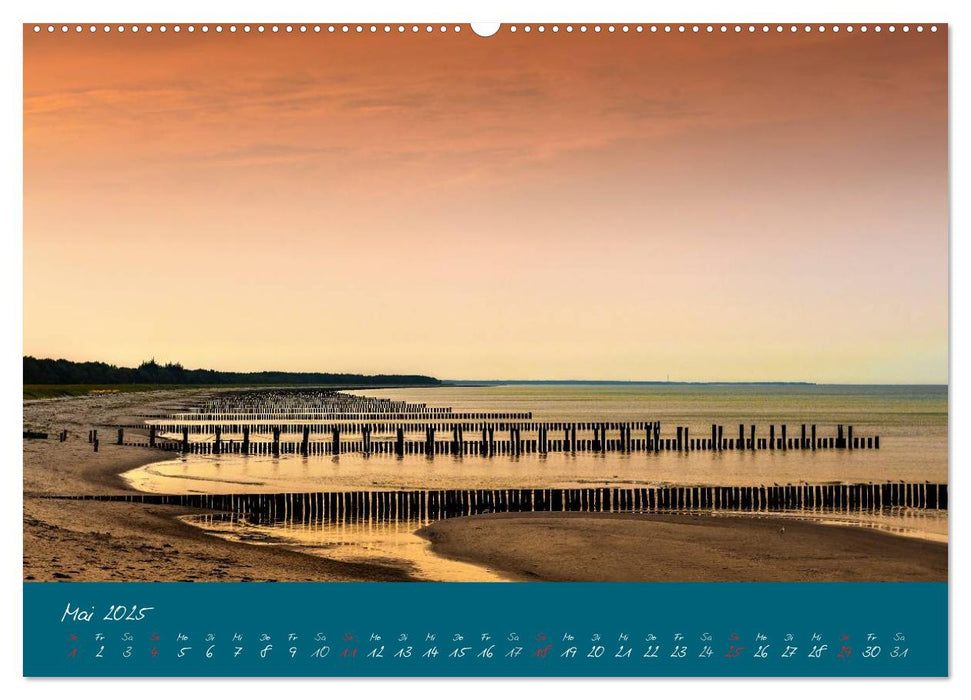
<point x="45" y="371"/>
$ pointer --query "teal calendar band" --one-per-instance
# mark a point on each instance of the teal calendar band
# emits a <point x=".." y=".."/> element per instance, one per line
<point x="473" y="629"/>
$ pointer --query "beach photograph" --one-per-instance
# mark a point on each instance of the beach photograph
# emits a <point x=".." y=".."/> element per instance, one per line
<point x="404" y="303"/>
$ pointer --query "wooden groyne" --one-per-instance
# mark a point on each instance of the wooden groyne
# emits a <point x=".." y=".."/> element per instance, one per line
<point x="280" y="402"/>
<point x="436" y="504"/>
<point x="312" y="422"/>
<point x="490" y="439"/>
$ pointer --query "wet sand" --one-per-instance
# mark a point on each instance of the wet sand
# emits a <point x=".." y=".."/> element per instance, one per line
<point x="634" y="547"/>
<point x="102" y="541"/>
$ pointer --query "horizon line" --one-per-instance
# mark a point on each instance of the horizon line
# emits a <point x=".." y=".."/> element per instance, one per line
<point x="802" y="382"/>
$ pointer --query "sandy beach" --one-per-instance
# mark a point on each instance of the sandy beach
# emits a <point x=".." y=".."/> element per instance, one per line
<point x="629" y="547"/>
<point x="112" y="541"/>
<point x="105" y="541"/>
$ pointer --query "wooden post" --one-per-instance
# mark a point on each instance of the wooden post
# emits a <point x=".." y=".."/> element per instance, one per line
<point x="245" y="439"/>
<point x="772" y="437"/>
<point x="814" y="436"/>
<point x="305" y="443"/>
<point x="217" y="445"/>
<point x="185" y="439"/>
<point x="121" y="436"/>
<point x="399" y="447"/>
<point x="151" y="436"/>
<point x="276" y="442"/>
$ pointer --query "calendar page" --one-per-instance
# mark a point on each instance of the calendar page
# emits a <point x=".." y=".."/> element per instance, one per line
<point x="522" y="349"/>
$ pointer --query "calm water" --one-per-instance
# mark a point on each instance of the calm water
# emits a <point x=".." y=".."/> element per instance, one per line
<point x="392" y="543"/>
<point x="911" y="421"/>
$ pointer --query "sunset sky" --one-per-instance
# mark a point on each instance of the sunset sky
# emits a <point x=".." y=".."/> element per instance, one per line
<point x="618" y="206"/>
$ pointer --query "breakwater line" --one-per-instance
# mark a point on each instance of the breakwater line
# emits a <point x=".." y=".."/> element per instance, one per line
<point x="446" y="503"/>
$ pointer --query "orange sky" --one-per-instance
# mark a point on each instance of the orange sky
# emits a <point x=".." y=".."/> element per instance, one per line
<point x="709" y="207"/>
